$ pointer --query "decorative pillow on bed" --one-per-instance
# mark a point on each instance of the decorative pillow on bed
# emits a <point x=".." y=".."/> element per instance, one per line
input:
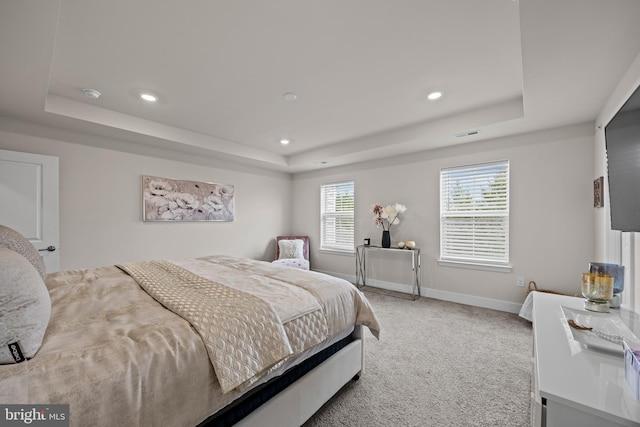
<point x="25" y="308"/>
<point x="11" y="239"/>
<point x="291" y="249"/>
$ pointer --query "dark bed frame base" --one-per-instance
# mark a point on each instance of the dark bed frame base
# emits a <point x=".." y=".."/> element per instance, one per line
<point x="252" y="400"/>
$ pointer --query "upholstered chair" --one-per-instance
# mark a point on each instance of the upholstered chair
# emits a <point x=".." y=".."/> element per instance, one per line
<point x="292" y="251"/>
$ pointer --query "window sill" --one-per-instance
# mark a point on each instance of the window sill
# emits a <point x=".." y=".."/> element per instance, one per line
<point x="337" y="252"/>
<point x="475" y="266"/>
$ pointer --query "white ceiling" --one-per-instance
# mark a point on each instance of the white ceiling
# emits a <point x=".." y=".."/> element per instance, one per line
<point x="361" y="70"/>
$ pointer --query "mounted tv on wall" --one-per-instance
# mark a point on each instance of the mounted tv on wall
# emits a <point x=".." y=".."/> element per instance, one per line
<point x="622" y="136"/>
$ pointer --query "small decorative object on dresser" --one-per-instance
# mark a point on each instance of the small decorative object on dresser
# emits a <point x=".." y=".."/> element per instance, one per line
<point x="386" y="217"/>
<point x="400" y="245"/>
<point x="410" y="244"/>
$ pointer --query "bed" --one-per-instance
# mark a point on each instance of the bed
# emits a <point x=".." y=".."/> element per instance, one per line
<point x="216" y="340"/>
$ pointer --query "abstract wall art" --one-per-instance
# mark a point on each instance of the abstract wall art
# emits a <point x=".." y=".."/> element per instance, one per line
<point x="167" y="199"/>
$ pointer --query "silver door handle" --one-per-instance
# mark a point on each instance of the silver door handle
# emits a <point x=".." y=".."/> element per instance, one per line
<point x="50" y="249"/>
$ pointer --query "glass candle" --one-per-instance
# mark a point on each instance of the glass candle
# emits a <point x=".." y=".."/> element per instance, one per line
<point x="597" y="289"/>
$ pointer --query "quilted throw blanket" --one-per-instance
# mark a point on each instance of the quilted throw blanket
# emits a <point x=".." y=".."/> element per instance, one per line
<point x="244" y="336"/>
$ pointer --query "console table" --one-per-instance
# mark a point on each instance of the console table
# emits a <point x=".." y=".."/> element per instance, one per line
<point x="573" y="384"/>
<point x="361" y="265"/>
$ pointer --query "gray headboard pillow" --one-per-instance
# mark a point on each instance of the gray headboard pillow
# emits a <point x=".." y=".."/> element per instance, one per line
<point x="25" y="308"/>
<point x="11" y="239"/>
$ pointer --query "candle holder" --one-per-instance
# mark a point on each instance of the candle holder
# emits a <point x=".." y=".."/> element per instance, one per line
<point x="617" y="272"/>
<point x="597" y="289"/>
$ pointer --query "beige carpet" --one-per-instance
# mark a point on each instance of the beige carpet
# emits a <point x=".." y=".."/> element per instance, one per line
<point x="438" y="364"/>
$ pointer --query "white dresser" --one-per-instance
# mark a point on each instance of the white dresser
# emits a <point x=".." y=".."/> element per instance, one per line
<point x="574" y="384"/>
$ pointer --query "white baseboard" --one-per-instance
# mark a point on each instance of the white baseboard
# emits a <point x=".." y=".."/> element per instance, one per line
<point x="494" y="304"/>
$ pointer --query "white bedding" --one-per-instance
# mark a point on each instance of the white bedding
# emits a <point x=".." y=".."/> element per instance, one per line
<point x="117" y="357"/>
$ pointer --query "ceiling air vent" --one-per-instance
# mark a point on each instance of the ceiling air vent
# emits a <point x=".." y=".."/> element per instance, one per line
<point x="470" y="133"/>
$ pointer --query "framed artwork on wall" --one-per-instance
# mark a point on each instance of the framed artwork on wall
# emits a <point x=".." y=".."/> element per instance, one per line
<point x="598" y="193"/>
<point x="165" y="199"/>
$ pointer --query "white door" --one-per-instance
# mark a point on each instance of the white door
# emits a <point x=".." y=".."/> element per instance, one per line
<point x="29" y="201"/>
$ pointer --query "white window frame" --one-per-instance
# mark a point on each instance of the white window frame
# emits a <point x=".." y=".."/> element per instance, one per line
<point x="475" y="233"/>
<point x="333" y="239"/>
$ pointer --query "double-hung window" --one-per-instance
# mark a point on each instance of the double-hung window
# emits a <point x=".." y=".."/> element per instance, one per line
<point x="337" y="216"/>
<point x="474" y="214"/>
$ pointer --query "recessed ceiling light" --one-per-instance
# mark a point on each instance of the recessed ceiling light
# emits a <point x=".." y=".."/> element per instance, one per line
<point x="91" y="93"/>
<point x="290" y="96"/>
<point x="434" y="95"/>
<point x="285" y="141"/>
<point x="148" y="97"/>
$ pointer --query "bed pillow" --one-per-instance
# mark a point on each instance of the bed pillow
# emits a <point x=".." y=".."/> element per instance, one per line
<point x="291" y="249"/>
<point x="25" y="307"/>
<point x="11" y="239"/>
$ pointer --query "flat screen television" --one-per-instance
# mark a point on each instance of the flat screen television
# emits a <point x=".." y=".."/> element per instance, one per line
<point x="622" y="137"/>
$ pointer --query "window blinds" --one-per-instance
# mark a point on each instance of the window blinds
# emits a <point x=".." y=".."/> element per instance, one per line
<point x="474" y="213"/>
<point x="337" y="216"/>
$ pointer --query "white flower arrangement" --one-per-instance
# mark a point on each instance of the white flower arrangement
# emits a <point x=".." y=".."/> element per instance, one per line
<point x="387" y="216"/>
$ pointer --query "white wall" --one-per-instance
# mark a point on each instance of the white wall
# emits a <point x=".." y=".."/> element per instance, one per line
<point x="613" y="246"/>
<point x="552" y="215"/>
<point x="101" y="209"/>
